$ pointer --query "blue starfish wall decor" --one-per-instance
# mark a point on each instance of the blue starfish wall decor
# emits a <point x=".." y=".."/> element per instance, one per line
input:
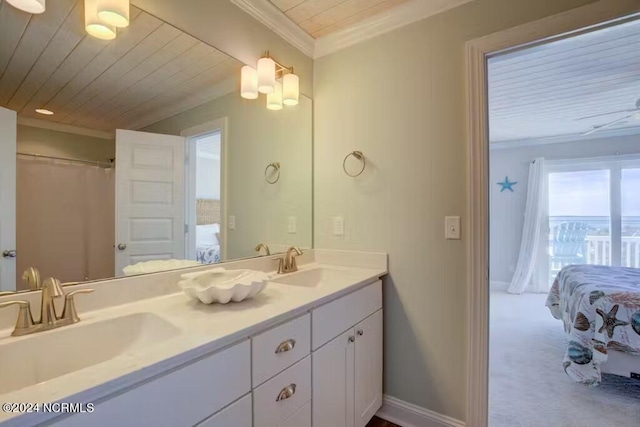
<point x="507" y="185"/>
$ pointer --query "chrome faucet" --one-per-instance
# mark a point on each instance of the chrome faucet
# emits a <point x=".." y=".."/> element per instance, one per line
<point x="51" y="289"/>
<point x="287" y="264"/>
<point x="263" y="246"/>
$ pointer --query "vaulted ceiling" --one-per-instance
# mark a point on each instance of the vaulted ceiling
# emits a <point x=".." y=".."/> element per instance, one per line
<point x="548" y="90"/>
<point x="322" y="17"/>
<point x="151" y="71"/>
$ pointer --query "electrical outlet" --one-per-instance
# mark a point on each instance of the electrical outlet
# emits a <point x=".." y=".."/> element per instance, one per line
<point x="452" y="227"/>
<point x="232" y="222"/>
<point x="292" y="225"/>
<point x="338" y="226"/>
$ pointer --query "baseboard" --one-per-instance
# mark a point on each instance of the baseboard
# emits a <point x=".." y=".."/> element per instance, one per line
<point x="409" y="415"/>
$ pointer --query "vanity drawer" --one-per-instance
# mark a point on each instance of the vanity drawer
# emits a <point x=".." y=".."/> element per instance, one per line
<point x="183" y="397"/>
<point x="237" y="414"/>
<point x="332" y="319"/>
<point x="277" y="349"/>
<point x="302" y="418"/>
<point x="268" y="411"/>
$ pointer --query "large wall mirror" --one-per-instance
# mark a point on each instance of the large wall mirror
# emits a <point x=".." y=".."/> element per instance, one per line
<point x="116" y="153"/>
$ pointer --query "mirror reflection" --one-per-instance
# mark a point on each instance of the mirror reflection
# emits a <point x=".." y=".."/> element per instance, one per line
<point x="138" y="154"/>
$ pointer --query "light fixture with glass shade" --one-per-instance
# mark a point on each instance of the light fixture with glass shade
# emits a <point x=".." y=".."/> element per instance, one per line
<point x="249" y="82"/>
<point x="94" y="25"/>
<point x="290" y="89"/>
<point x="266" y="75"/>
<point x="29" y="6"/>
<point x="114" y="12"/>
<point x="277" y="81"/>
<point x="274" y="99"/>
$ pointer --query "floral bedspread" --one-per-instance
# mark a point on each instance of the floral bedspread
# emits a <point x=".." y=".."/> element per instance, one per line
<point x="600" y="309"/>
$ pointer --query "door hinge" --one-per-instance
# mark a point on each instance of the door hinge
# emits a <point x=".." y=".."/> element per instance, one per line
<point x="186" y="228"/>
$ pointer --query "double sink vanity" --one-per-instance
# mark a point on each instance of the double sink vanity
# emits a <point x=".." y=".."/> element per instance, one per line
<point x="305" y="351"/>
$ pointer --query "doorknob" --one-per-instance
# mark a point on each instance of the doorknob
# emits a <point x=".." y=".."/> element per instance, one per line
<point x="122" y="246"/>
<point x="9" y="254"/>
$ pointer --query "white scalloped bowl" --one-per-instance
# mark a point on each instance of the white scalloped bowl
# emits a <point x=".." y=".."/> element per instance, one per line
<point x="221" y="286"/>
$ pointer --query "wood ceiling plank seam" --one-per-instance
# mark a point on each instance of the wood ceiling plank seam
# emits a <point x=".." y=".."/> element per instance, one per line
<point x="177" y="86"/>
<point x="88" y="42"/>
<point x="568" y="55"/>
<point x="311" y="8"/>
<point x="567" y="84"/>
<point x="64" y="37"/>
<point x="56" y="15"/>
<point x="595" y="105"/>
<point x="116" y="73"/>
<point x="567" y="112"/>
<point x="197" y="60"/>
<point x="541" y="80"/>
<point x="114" y="51"/>
<point x="98" y="106"/>
<point x="285" y="5"/>
<point x="368" y="13"/>
<point x="341" y="12"/>
<point x="7" y="11"/>
<point x="568" y="59"/>
<point x="585" y="89"/>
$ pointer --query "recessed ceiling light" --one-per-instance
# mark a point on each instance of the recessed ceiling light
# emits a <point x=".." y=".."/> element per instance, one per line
<point x="44" y="111"/>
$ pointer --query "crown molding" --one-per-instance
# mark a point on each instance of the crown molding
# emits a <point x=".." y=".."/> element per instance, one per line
<point x="272" y="17"/>
<point x="62" y="127"/>
<point x="405" y="14"/>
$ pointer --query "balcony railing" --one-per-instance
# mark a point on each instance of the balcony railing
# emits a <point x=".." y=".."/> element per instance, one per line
<point x="597" y="250"/>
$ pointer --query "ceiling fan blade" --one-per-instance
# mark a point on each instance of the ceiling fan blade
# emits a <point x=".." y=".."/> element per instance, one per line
<point x="609" y="113"/>
<point x="606" y="125"/>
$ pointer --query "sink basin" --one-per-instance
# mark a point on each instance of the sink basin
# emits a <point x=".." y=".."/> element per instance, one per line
<point x="43" y="356"/>
<point x="317" y="277"/>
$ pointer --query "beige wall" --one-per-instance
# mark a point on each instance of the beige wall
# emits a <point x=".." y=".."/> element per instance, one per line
<point x="62" y="144"/>
<point x="257" y="137"/>
<point x="226" y="27"/>
<point x="400" y="99"/>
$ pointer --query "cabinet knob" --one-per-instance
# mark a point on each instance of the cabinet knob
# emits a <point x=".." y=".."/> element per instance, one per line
<point x="285" y="346"/>
<point x="352" y="338"/>
<point x="286" y="392"/>
<point x="360" y="332"/>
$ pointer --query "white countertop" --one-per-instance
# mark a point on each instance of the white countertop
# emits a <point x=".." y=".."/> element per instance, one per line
<point x="203" y="329"/>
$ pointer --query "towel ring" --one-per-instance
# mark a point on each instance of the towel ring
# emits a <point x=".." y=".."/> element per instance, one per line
<point x="358" y="155"/>
<point x="276" y="168"/>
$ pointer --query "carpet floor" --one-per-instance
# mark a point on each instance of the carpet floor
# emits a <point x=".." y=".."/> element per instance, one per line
<point x="528" y="386"/>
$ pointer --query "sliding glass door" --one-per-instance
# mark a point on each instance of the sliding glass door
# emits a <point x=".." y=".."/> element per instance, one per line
<point x="593" y="213"/>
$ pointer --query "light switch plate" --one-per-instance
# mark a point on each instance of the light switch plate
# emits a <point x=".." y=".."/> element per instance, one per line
<point x="292" y="225"/>
<point x="452" y="227"/>
<point x="232" y="222"/>
<point x="338" y="226"/>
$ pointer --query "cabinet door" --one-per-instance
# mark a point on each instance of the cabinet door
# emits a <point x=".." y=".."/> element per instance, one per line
<point x="333" y="381"/>
<point x="237" y="415"/>
<point x="368" y="368"/>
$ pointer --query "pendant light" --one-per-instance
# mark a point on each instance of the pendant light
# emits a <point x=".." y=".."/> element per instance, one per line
<point x="114" y="12"/>
<point x="290" y="89"/>
<point x="274" y="99"/>
<point x="248" y="82"/>
<point x="29" y="6"/>
<point x="266" y="75"/>
<point x="94" y="25"/>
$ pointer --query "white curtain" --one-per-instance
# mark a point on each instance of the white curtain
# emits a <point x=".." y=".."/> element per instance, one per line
<point x="524" y="277"/>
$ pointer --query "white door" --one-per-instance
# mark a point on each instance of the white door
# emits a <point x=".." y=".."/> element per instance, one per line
<point x="149" y="197"/>
<point x="8" y="129"/>
<point x="368" y="368"/>
<point x="333" y="381"/>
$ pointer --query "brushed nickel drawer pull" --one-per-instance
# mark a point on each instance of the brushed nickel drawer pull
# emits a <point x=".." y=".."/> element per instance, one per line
<point x="285" y="346"/>
<point x="360" y="332"/>
<point x="286" y="392"/>
<point x="352" y="338"/>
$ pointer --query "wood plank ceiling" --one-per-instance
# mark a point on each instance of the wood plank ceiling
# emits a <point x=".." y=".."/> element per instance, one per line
<point x="544" y="91"/>
<point x="322" y="17"/>
<point x="151" y="71"/>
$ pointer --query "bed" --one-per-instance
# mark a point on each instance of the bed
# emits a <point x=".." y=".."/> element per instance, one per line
<point x="600" y="309"/>
<point x="208" y="218"/>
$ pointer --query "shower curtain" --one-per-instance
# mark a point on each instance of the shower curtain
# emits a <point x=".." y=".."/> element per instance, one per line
<point x="65" y="220"/>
